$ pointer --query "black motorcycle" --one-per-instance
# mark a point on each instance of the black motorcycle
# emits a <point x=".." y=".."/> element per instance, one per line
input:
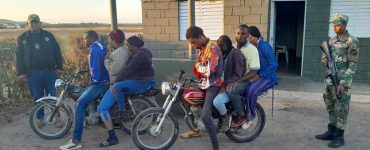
<point x="57" y="117"/>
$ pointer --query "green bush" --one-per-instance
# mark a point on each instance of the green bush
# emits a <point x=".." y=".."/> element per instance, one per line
<point x="9" y="87"/>
<point x="75" y="59"/>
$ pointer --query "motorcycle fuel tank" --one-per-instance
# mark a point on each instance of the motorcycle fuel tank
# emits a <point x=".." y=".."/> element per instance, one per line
<point x="193" y="97"/>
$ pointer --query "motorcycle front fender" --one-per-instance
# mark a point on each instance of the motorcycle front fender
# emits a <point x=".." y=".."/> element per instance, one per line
<point x="47" y="98"/>
<point x="51" y="99"/>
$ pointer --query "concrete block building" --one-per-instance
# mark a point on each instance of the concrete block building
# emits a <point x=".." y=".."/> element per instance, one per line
<point x="297" y="27"/>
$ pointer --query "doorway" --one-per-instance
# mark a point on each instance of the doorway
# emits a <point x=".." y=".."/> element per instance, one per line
<point x="288" y="32"/>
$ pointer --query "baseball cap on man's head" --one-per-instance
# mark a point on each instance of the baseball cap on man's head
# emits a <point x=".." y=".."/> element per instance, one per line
<point x="33" y="17"/>
<point x="339" y="19"/>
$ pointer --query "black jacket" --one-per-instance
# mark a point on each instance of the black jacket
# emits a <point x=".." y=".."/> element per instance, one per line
<point x="48" y="42"/>
<point x="234" y="67"/>
<point x="139" y="67"/>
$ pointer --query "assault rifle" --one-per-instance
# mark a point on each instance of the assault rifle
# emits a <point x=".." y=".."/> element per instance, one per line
<point x="332" y="71"/>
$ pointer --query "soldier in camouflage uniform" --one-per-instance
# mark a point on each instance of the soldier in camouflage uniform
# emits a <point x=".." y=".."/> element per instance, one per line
<point x="345" y="52"/>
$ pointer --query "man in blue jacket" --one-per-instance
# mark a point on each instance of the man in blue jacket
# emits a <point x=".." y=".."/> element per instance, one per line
<point x="266" y="77"/>
<point x="99" y="84"/>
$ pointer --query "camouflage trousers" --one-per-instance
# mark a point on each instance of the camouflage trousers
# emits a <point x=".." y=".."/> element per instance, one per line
<point x="337" y="108"/>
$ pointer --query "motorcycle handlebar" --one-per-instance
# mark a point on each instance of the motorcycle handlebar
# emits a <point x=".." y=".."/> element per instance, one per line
<point x="182" y="72"/>
<point x="191" y="80"/>
<point x="82" y="72"/>
<point x="78" y="73"/>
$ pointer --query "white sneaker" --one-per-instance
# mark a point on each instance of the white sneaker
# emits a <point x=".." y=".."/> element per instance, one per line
<point x="247" y="124"/>
<point x="70" y="145"/>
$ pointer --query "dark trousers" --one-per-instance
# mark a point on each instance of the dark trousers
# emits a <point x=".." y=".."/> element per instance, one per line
<point x="236" y="98"/>
<point x="254" y="90"/>
<point x="206" y="115"/>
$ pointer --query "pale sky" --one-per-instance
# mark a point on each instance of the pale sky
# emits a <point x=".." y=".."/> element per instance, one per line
<point x="71" y="11"/>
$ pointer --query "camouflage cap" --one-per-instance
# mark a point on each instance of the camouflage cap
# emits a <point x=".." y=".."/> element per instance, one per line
<point x="339" y="19"/>
<point x="32" y="17"/>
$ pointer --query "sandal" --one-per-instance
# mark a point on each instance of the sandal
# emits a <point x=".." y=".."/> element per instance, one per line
<point x="190" y="134"/>
<point x="108" y="143"/>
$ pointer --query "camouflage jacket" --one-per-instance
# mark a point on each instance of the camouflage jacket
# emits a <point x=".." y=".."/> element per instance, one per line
<point x="345" y="51"/>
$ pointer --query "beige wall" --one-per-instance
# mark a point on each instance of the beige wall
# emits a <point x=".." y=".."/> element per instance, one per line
<point x="161" y="25"/>
<point x="161" y="29"/>
<point x="250" y="12"/>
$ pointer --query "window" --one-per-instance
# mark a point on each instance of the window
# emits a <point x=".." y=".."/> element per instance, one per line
<point x="358" y="12"/>
<point x="209" y="15"/>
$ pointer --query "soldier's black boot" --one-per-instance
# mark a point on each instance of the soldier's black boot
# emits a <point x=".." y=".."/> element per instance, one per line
<point x="328" y="135"/>
<point x="338" y="139"/>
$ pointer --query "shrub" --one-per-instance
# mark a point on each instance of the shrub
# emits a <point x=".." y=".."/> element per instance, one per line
<point x="75" y="59"/>
<point x="9" y="87"/>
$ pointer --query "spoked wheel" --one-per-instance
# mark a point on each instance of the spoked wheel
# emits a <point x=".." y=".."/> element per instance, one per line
<point x="240" y="135"/>
<point x="50" y="122"/>
<point x="139" y="104"/>
<point x="155" y="137"/>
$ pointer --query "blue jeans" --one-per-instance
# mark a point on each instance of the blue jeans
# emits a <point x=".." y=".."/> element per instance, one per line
<point x="220" y="101"/>
<point x="91" y="94"/>
<point x="122" y="88"/>
<point x="41" y="83"/>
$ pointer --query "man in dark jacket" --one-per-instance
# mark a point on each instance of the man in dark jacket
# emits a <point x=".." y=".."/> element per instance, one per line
<point x="38" y="58"/>
<point x="137" y="77"/>
<point x="234" y="69"/>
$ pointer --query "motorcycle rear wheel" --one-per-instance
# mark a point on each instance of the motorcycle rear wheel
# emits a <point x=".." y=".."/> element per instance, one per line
<point x="237" y="134"/>
<point x="140" y="104"/>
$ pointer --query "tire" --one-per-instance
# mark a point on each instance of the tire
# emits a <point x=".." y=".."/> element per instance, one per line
<point x="260" y="124"/>
<point x="155" y="111"/>
<point x="140" y="104"/>
<point x="62" y="131"/>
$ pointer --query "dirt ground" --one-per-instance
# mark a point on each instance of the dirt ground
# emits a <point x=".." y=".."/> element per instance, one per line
<point x="293" y="127"/>
<point x="9" y="111"/>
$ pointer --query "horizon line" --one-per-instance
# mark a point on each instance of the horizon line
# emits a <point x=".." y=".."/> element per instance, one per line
<point x="75" y="22"/>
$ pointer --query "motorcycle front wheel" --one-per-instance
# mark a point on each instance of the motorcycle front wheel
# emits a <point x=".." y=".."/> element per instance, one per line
<point x="49" y="121"/>
<point x="151" y="139"/>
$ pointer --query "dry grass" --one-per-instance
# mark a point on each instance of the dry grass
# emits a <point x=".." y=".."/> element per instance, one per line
<point x="63" y="33"/>
<point x="67" y="40"/>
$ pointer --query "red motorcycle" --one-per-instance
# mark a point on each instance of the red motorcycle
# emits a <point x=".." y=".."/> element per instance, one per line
<point x="162" y="127"/>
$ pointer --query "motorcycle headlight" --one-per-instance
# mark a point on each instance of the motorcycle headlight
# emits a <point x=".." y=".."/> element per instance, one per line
<point x="165" y="87"/>
<point x="58" y="83"/>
